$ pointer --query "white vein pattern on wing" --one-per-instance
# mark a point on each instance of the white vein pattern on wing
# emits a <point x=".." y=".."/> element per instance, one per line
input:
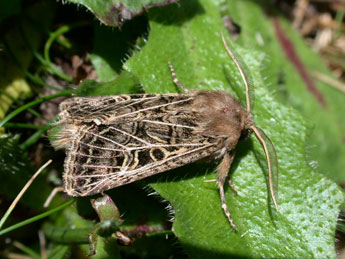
<point x="140" y="100"/>
<point x="110" y="177"/>
<point x="99" y="166"/>
<point x="150" y="108"/>
<point x="168" y="124"/>
<point x="108" y="107"/>
<point x="132" y="136"/>
<point x="120" y="106"/>
<point x="141" y="147"/>
<point x="164" y="145"/>
<point x="100" y="101"/>
<point x="87" y="100"/>
<point x="86" y="104"/>
<point x="168" y="137"/>
<point x="92" y="156"/>
<point x="101" y="137"/>
<point x="103" y="148"/>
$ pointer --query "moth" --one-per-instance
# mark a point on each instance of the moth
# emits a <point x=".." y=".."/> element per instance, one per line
<point x="114" y="140"/>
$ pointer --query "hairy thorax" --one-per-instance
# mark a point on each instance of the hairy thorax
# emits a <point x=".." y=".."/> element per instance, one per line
<point x="221" y="115"/>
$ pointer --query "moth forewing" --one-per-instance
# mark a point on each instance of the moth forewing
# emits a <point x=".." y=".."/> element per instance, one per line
<point x="115" y="140"/>
<point x="142" y="136"/>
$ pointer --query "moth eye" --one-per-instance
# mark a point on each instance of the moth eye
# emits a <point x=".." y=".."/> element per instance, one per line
<point x="158" y="154"/>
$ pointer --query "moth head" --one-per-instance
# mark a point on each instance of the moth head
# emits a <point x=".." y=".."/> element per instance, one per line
<point x="235" y="115"/>
<point x="222" y="114"/>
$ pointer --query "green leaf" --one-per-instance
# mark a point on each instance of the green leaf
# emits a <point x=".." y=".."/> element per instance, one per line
<point x="9" y="8"/>
<point x="325" y="148"/>
<point x="58" y="251"/>
<point x="116" y="12"/>
<point x="13" y="84"/>
<point x="16" y="170"/>
<point x="112" y="46"/>
<point x="189" y="37"/>
<point x="123" y="83"/>
<point x="9" y="156"/>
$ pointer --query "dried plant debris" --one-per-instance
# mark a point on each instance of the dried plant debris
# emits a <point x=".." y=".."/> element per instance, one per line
<point x="321" y="23"/>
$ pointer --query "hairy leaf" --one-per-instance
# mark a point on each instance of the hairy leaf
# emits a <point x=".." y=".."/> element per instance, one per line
<point x="189" y="37"/>
<point x="116" y="12"/>
<point x="284" y="63"/>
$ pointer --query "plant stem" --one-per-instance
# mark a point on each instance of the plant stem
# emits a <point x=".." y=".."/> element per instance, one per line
<point x="26" y="126"/>
<point x="27" y="185"/>
<point x="32" y="139"/>
<point x="33" y="103"/>
<point x="36" y="218"/>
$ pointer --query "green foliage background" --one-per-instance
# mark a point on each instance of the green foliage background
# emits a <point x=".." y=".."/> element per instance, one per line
<point x="134" y="59"/>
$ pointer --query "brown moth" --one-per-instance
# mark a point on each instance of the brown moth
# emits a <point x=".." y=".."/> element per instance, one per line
<point x="118" y="139"/>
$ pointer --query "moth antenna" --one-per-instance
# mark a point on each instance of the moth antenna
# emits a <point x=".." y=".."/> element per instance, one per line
<point x="175" y="80"/>
<point x="269" y="163"/>
<point x="233" y="57"/>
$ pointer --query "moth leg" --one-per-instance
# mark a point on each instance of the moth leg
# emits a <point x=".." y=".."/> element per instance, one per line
<point x="175" y="80"/>
<point x="232" y="185"/>
<point x="223" y="170"/>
